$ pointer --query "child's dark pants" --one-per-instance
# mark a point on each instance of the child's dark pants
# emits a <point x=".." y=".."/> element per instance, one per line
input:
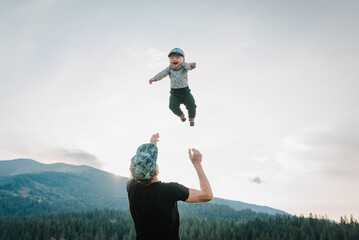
<point x="182" y="96"/>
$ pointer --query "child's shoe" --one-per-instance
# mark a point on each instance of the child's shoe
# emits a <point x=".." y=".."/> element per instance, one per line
<point x="191" y="122"/>
<point x="183" y="119"/>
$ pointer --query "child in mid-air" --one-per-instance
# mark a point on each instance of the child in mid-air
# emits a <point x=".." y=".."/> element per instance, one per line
<point x="180" y="92"/>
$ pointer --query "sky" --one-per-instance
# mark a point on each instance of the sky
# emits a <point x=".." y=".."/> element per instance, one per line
<point x="276" y="88"/>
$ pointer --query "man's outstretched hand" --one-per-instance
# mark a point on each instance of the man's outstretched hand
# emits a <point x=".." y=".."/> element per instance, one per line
<point x="195" y="156"/>
<point x="205" y="194"/>
<point x="155" y="138"/>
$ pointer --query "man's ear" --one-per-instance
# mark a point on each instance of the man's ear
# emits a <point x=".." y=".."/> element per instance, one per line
<point x="157" y="170"/>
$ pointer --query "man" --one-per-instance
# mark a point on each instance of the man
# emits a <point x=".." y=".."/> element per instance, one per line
<point x="153" y="204"/>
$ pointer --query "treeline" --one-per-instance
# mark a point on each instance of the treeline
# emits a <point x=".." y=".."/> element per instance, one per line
<point x="17" y="206"/>
<point x="94" y="224"/>
<point x="113" y="225"/>
<point x="207" y="210"/>
<point x="274" y="228"/>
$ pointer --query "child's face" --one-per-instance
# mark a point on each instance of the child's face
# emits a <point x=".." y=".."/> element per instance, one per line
<point x="176" y="60"/>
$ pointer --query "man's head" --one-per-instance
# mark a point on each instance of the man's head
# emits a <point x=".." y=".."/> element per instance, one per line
<point x="176" y="57"/>
<point x="143" y="164"/>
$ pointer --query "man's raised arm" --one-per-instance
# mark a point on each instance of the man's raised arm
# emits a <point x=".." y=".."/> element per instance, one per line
<point x="205" y="194"/>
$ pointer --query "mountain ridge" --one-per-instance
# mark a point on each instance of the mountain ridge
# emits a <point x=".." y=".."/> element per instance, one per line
<point x="13" y="167"/>
<point x="38" y="186"/>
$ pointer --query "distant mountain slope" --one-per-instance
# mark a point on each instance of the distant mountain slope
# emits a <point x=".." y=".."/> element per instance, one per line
<point x="238" y="205"/>
<point x="30" y="187"/>
<point x="55" y="191"/>
<point x="22" y="166"/>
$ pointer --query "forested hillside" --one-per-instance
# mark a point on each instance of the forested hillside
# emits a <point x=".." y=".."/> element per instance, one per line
<point x="115" y="225"/>
<point x="80" y="202"/>
<point x="48" y="192"/>
<point x="29" y="187"/>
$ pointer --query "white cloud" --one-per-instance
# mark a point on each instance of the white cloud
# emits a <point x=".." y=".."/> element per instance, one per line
<point x="157" y="55"/>
<point x="75" y="156"/>
<point x="152" y="57"/>
<point x="159" y="58"/>
<point x="318" y="168"/>
<point x="328" y="151"/>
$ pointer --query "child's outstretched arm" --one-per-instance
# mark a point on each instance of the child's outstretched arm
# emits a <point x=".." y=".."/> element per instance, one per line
<point x="160" y="75"/>
<point x="152" y="80"/>
<point x="189" y="66"/>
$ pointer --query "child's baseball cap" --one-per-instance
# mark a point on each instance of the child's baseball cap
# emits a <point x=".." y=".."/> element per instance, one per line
<point x="143" y="164"/>
<point x="176" y="51"/>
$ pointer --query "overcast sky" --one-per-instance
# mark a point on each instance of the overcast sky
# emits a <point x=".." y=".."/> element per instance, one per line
<point x="276" y="86"/>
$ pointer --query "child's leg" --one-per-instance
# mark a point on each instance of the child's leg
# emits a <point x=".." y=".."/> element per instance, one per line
<point x="175" y="106"/>
<point x="190" y="104"/>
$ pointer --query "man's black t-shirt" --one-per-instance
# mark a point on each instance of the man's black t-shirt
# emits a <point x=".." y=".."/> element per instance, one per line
<point x="154" y="208"/>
